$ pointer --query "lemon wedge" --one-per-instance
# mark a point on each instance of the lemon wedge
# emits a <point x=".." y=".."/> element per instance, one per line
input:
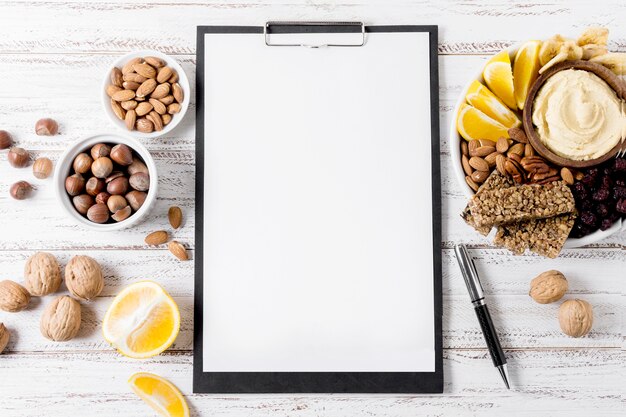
<point x="484" y="100"/>
<point x="160" y="394"/>
<point x="142" y="321"/>
<point x="525" y="70"/>
<point x="474" y="124"/>
<point x="499" y="78"/>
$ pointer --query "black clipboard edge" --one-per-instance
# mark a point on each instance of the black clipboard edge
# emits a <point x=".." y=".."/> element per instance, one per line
<point x="318" y="382"/>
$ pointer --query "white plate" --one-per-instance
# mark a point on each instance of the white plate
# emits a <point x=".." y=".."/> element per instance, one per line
<point x="182" y="80"/>
<point x="455" y="152"/>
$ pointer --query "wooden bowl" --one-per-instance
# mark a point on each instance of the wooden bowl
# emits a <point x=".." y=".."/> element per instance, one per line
<point x="615" y="82"/>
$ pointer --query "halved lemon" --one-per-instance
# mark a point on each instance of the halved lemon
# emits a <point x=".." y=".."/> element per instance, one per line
<point x="525" y="70"/>
<point x="484" y="100"/>
<point x="142" y="321"/>
<point x="160" y="394"/>
<point x="474" y="124"/>
<point x="499" y="78"/>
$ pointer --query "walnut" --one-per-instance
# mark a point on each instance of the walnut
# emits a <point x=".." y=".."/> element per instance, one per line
<point x="548" y="287"/>
<point x="61" y="319"/>
<point x="42" y="274"/>
<point x="576" y="317"/>
<point x="83" y="277"/>
<point x="13" y="297"/>
<point x="4" y="337"/>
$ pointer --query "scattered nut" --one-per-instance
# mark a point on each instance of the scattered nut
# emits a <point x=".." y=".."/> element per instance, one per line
<point x="548" y="287"/>
<point x="4" y="337"/>
<point x="42" y="168"/>
<point x="20" y="190"/>
<point x="46" y="127"/>
<point x="42" y="274"/>
<point x="576" y="317"/>
<point x="18" y="157"/>
<point x="6" y="141"/>
<point x="60" y="321"/>
<point x="178" y="250"/>
<point x="175" y="216"/>
<point x="83" y="277"/>
<point x="13" y="297"/>
<point x="157" y="238"/>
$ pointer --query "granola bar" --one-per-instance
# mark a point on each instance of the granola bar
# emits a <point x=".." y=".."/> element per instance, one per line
<point x="525" y="202"/>
<point x="515" y="236"/>
<point x="494" y="181"/>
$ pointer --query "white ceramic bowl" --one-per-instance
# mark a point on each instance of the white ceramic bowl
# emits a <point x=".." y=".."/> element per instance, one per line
<point x="455" y="152"/>
<point x="182" y="80"/>
<point x="64" y="165"/>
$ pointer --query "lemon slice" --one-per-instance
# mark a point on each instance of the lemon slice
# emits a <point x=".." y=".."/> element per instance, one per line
<point x="525" y="70"/>
<point x="160" y="394"/>
<point x="499" y="78"/>
<point x="474" y="124"/>
<point x="142" y="321"/>
<point x="484" y="100"/>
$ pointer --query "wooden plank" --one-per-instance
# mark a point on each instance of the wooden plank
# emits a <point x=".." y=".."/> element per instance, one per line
<point x="565" y="383"/>
<point x="124" y="26"/>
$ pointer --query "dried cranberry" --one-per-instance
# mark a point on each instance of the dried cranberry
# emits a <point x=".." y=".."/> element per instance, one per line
<point x="620" y="164"/>
<point x="602" y="210"/>
<point x="586" y="205"/>
<point x="606" y="182"/>
<point x="606" y="224"/>
<point x="619" y="192"/>
<point x="620" y="182"/>
<point x="580" y="191"/>
<point x="588" y="218"/>
<point x="601" y="195"/>
<point x="588" y="180"/>
<point x="621" y="206"/>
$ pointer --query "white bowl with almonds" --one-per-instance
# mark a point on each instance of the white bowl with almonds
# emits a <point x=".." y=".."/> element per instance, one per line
<point x="146" y="93"/>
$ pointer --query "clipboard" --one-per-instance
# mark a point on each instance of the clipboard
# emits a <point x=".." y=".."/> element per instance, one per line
<point x="318" y="209"/>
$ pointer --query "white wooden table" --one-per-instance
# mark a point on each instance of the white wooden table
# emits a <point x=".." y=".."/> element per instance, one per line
<point x="53" y="56"/>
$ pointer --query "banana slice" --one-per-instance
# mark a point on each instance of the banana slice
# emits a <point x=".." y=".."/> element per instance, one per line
<point x="615" y="61"/>
<point x="591" y="50"/>
<point x="550" y="48"/>
<point x="594" y="35"/>
<point x="567" y="52"/>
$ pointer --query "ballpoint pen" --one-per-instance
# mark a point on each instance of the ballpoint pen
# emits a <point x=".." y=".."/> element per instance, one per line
<point x="470" y="275"/>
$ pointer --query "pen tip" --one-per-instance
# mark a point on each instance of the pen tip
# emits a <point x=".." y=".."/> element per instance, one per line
<point x="503" y="373"/>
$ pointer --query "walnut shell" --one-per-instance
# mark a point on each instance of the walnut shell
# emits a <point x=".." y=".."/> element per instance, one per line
<point x="576" y="317"/>
<point x="83" y="277"/>
<point x="548" y="287"/>
<point x="4" y="337"/>
<point x="42" y="274"/>
<point x="61" y="319"/>
<point x="13" y="297"/>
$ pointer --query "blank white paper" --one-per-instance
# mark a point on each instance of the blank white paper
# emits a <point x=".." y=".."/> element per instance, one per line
<point x="317" y="206"/>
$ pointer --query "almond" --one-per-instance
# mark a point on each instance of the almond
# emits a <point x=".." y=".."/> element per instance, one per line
<point x="464" y="148"/>
<point x="466" y="166"/>
<point x="484" y="151"/>
<point x="472" y="145"/>
<point x="567" y="176"/>
<point x="502" y="145"/>
<point x="133" y="76"/>
<point x="156" y="120"/>
<point x="143" y="108"/>
<point x="161" y="91"/>
<point x="478" y="163"/>
<point x="178" y="250"/>
<point x="129" y="105"/>
<point x="177" y="91"/>
<point x="146" y="87"/>
<point x="128" y="67"/>
<point x="174" y="78"/>
<point x="144" y="125"/>
<point x="487" y="142"/>
<point x="131" y="117"/>
<point x="500" y="160"/>
<point x="167" y="118"/>
<point x="175" y="216"/>
<point x="491" y="159"/>
<point x="154" y="61"/>
<point x="479" y="176"/>
<point x="157" y="238"/>
<point x="167" y="100"/>
<point x="112" y="89"/>
<point x="118" y="110"/>
<point x="145" y="70"/>
<point x="123" y="95"/>
<point x="116" y="77"/>
<point x="518" y="135"/>
<point x="164" y="74"/>
<point x="471" y="183"/>
<point x="529" y="150"/>
<point x="173" y="108"/>
<point x="517" y="149"/>
<point x="130" y="85"/>
<point x="158" y="106"/>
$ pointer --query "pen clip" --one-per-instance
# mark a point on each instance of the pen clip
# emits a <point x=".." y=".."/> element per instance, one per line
<point x="469" y="272"/>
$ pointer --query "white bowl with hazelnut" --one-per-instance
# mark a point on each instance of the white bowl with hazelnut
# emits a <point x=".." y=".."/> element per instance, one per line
<point x="106" y="182"/>
<point x="146" y="93"/>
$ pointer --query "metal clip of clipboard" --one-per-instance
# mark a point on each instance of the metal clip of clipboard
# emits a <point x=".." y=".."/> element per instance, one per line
<point x="268" y="25"/>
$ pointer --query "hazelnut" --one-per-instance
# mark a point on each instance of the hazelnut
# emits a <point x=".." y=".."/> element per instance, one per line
<point x="5" y="139"/>
<point x="82" y="163"/>
<point x="140" y="181"/>
<point x="576" y="317"/>
<point x="74" y="184"/>
<point x="116" y="203"/>
<point x="82" y="203"/>
<point x="42" y="274"/>
<point x="122" y="214"/>
<point x="20" y="190"/>
<point x="122" y="154"/>
<point x="18" y="157"/>
<point x="102" y="197"/>
<point x="60" y="321"/>
<point x="13" y="297"/>
<point x="548" y="287"/>
<point x="136" y="199"/>
<point x="118" y="186"/>
<point x="4" y="337"/>
<point x="114" y="175"/>
<point x="98" y="213"/>
<point x="46" y="127"/>
<point x="102" y="167"/>
<point x="42" y="168"/>
<point x="136" y="167"/>
<point x="83" y="277"/>
<point x="100" y="150"/>
<point x="94" y="186"/>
